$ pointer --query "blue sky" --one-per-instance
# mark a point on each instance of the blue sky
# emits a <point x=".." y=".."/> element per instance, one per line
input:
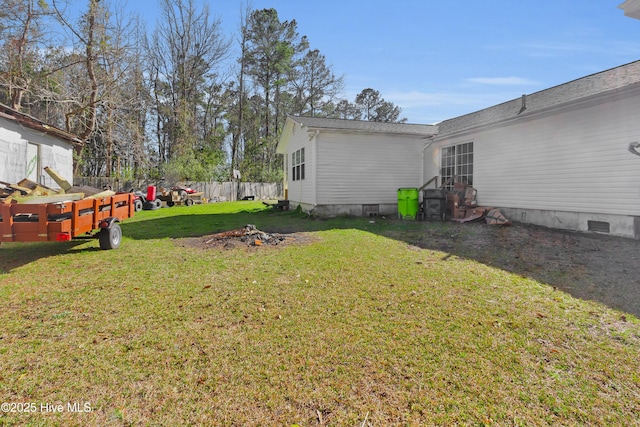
<point x="441" y="59"/>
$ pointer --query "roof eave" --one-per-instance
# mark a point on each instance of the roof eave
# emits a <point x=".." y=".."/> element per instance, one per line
<point x="631" y="8"/>
<point x="325" y="129"/>
<point x="37" y="125"/>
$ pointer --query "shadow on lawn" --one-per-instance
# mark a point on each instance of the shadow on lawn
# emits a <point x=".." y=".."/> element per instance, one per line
<point x="14" y="255"/>
<point x="587" y="266"/>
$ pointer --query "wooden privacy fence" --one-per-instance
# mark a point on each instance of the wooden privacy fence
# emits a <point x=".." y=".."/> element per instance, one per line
<point x="213" y="191"/>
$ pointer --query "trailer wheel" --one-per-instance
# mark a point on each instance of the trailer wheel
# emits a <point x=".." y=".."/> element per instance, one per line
<point x="189" y="202"/>
<point x="110" y="237"/>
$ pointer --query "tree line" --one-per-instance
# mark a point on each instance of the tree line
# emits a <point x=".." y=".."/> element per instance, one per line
<point x="169" y="102"/>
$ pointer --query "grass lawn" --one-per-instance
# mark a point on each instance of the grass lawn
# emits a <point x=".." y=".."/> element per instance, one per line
<point x="356" y="326"/>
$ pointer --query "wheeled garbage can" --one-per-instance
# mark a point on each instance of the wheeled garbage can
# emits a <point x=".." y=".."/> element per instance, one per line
<point x="407" y="203"/>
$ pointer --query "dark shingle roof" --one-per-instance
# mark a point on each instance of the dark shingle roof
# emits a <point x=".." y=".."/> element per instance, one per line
<point x="582" y="88"/>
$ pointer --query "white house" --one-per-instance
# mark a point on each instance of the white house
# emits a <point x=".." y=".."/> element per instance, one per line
<point x="347" y="167"/>
<point x="559" y="157"/>
<point x="28" y="145"/>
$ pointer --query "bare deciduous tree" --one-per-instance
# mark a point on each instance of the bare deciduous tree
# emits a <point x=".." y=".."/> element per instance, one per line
<point x="165" y="98"/>
<point x="184" y="53"/>
<point x="22" y="37"/>
<point x="95" y="78"/>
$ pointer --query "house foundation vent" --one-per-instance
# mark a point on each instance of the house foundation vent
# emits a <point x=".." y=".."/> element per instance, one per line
<point x="598" y="226"/>
<point x="370" y="210"/>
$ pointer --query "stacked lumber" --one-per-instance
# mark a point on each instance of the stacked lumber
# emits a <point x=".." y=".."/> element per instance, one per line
<point x="29" y="192"/>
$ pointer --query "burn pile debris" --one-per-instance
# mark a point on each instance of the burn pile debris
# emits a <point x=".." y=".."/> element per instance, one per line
<point x="249" y="234"/>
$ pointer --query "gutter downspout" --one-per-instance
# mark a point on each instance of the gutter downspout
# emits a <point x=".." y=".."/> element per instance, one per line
<point x="427" y="145"/>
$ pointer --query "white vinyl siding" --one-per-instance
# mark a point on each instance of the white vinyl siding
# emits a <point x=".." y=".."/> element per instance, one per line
<point x="301" y="189"/>
<point x="572" y="160"/>
<point x="364" y="168"/>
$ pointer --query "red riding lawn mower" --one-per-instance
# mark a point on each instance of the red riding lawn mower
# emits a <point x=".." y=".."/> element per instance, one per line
<point x="146" y="201"/>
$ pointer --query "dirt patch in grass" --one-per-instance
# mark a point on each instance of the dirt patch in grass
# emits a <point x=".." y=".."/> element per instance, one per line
<point x="248" y="237"/>
<point x="589" y="266"/>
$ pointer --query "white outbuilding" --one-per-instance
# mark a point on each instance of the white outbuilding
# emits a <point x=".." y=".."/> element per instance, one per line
<point x="348" y="167"/>
<point x="28" y="145"/>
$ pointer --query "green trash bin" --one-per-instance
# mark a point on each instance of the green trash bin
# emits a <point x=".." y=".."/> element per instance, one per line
<point x="407" y="203"/>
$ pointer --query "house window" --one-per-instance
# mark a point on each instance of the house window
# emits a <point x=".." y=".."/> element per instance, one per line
<point x="297" y="162"/>
<point x="457" y="164"/>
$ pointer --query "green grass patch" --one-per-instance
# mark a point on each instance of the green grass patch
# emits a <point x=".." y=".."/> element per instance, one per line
<point x="357" y="325"/>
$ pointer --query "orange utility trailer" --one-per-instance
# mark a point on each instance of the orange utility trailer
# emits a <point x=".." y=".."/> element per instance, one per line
<point x="63" y="221"/>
